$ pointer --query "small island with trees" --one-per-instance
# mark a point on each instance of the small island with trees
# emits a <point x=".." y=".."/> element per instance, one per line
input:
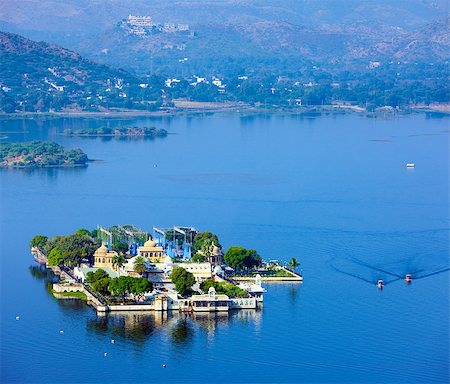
<point x="120" y="132"/>
<point x="124" y="268"/>
<point x="36" y="154"/>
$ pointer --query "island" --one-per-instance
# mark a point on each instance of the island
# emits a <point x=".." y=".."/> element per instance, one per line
<point x="123" y="268"/>
<point x="148" y="132"/>
<point x="37" y="154"/>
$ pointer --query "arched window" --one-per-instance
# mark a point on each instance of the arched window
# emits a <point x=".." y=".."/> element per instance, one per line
<point x="103" y="260"/>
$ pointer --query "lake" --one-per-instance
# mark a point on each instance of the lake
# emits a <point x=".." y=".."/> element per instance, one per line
<point x="332" y="191"/>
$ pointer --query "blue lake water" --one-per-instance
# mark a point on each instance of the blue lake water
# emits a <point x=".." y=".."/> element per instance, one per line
<point x="331" y="191"/>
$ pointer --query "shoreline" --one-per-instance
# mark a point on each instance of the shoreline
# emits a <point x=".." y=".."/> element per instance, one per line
<point x="311" y="111"/>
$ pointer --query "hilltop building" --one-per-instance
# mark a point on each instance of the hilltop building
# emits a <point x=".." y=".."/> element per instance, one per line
<point x="140" y="21"/>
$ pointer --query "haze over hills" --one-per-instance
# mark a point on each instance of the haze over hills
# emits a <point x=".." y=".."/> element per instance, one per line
<point x="286" y="53"/>
<point x="321" y="32"/>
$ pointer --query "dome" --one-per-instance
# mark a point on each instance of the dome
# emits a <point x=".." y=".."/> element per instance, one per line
<point x="215" y="250"/>
<point x="103" y="250"/>
<point x="149" y="243"/>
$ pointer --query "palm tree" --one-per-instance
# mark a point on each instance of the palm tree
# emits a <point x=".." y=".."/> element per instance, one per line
<point x="118" y="261"/>
<point x="293" y="263"/>
<point x="139" y="265"/>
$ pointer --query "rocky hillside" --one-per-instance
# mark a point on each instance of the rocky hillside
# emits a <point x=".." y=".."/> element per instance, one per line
<point x="325" y="31"/>
<point x="36" y="76"/>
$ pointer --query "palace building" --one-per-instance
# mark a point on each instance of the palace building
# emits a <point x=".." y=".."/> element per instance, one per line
<point x="104" y="258"/>
<point x="151" y="251"/>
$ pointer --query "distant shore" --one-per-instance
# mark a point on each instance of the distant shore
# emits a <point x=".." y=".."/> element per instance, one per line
<point x="193" y="108"/>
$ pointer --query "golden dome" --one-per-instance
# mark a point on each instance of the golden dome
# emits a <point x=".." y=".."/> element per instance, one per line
<point x="149" y="243"/>
<point x="103" y="250"/>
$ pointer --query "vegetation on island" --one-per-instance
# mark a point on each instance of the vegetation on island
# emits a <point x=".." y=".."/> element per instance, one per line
<point x="228" y="289"/>
<point x="201" y="245"/>
<point x="292" y="264"/>
<point x="120" y="247"/>
<point x="73" y="295"/>
<point x="118" y="261"/>
<point x="183" y="280"/>
<point x="139" y="265"/>
<point x="70" y="250"/>
<point x="98" y="280"/>
<point x="240" y="258"/>
<point x="148" y="132"/>
<point x="38" y="241"/>
<point x="118" y="286"/>
<point x="204" y="239"/>
<point x="136" y="286"/>
<point x="40" y="154"/>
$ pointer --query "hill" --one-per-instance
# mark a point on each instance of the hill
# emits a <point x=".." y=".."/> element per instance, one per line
<point x="41" y="77"/>
<point x="36" y="76"/>
<point x="247" y="31"/>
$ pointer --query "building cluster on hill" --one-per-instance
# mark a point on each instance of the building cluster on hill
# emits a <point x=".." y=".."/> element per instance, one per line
<point x="144" y="26"/>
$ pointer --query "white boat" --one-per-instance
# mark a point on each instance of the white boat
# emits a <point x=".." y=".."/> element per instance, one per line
<point x="410" y="165"/>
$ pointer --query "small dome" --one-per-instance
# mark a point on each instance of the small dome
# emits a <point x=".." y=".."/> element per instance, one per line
<point x="103" y="250"/>
<point x="149" y="243"/>
<point x="215" y="250"/>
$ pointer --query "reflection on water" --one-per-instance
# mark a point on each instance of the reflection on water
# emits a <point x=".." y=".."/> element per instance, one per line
<point x="294" y="293"/>
<point x="139" y="327"/>
<point x="67" y="304"/>
<point x="134" y="327"/>
<point x="49" y="173"/>
<point x="39" y="272"/>
<point x="182" y="332"/>
<point x="181" y="328"/>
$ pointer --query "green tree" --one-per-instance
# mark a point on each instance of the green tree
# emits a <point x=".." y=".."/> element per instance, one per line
<point x="138" y="286"/>
<point x="38" y="241"/>
<point x="73" y="248"/>
<point x="55" y="257"/>
<point x="122" y="285"/>
<point x="293" y="263"/>
<point x="119" y="286"/>
<point x="183" y="280"/>
<point x="83" y="231"/>
<point x="99" y="274"/>
<point x="228" y="289"/>
<point x="101" y="285"/>
<point x="118" y="262"/>
<point x="203" y="239"/>
<point x="198" y="258"/>
<point x="120" y="247"/>
<point x="241" y="258"/>
<point x="139" y="265"/>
